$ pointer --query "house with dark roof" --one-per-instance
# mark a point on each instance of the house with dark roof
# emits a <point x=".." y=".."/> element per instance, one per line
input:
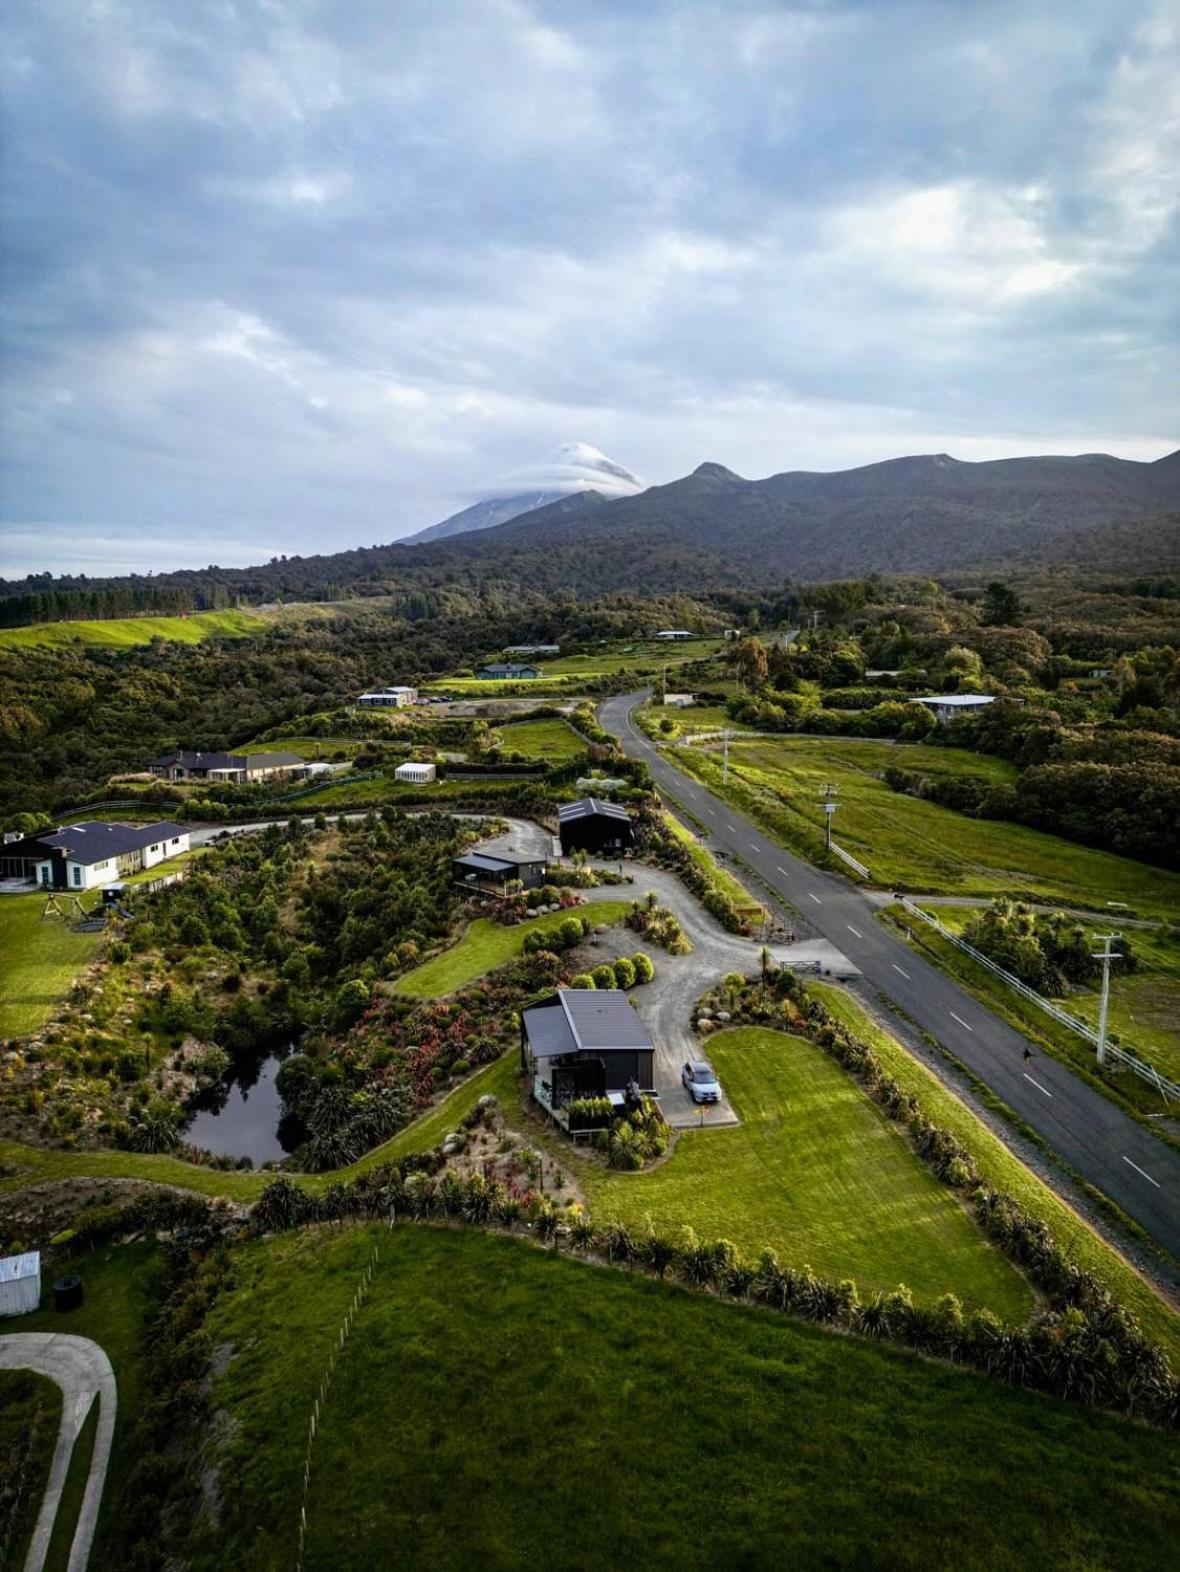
<point x="82" y="856"/>
<point x="592" y="825"/>
<point x="508" y="671"/>
<point x="484" y="874"/>
<point x="585" y="1042"/>
<point x="235" y="768"/>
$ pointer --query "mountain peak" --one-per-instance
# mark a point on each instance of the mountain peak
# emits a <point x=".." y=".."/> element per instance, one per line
<point x="711" y="471"/>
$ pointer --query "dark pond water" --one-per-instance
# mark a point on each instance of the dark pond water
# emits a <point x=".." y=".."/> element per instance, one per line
<point x="243" y="1115"/>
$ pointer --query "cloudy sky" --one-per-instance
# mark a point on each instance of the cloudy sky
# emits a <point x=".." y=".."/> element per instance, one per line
<point x="291" y="275"/>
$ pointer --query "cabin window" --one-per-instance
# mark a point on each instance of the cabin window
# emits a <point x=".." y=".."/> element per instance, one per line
<point x="77" y="875"/>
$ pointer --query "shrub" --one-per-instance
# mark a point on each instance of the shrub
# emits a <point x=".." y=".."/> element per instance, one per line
<point x="624" y="973"/>
<point x="582" y="980"/>
<point x="604" y="975"/>
<point x="644" y="967"/>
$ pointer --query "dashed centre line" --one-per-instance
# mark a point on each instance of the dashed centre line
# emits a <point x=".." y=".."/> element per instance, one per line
<point x="782" y="870"/>
<point x="961" y="1021"/>
<point x="815" y="898"/>
<point x="730" y="827"/>
<point x="897" y="968"/>
<point x="1142" y="1171"/>
<point x="856" y="931"/>
<point x="1037" y="1084"/>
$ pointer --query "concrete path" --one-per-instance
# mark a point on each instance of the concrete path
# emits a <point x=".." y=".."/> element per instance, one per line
<point x="1100" y="1142"/>
<point x="83" y="1372"/>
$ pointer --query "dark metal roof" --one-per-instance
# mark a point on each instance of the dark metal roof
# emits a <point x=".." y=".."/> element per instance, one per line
<point x="591" y="1020"/>
<point x="99" y="839"/>
<point x="589" y="808"/>
<point x="481" y="864"/>
<point x="226" y="761"/>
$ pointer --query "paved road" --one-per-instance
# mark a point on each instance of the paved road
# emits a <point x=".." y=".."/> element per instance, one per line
<point x="1106" y="1146"/>
<point x="83" y="1372"/>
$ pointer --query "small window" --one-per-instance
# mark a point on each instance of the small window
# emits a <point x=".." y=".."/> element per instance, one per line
<point x="77" y="875"/>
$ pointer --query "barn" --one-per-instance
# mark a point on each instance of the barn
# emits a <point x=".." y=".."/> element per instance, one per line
<point x="591" y="825"/>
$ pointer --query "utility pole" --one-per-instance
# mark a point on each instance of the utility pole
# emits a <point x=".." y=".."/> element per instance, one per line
<point x="725" y="757"/>
<point x="665" y="692"/>
<point x="1105" y="955"/>
<point x="829" y="806"/>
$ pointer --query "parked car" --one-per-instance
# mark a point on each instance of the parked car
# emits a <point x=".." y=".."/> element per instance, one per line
<point x="702" y="1084"/>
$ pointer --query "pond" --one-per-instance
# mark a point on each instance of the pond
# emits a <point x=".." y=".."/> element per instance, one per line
<point x="242" y="1116"/>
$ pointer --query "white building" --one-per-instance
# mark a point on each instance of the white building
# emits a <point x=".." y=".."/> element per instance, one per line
<point x="532" y="649"/>
<point x="81" y="856"/>
<point x="20" y="1283"/>
<point x="949" y="706"/>
<point x="678" y="701"/>
<point x="388" y="698"/>
<point x="675" y="633"/>
<point x="415" y="774"/>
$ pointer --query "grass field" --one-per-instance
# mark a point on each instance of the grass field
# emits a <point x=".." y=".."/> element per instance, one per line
<point x="815" y="1171"/>
<point x="486" y="945"/>
<point x="498" y="1405"/>
<point x="548" y="741"/>
<point x="38" y="962"/>
<point x="124" y="632"/>
<point x="916" y="844"/>
<point x="30" y="1413"/>
<point x="641" y="656"/>
<point x="713" y="870"/>
<point x="1002" y="1170"/>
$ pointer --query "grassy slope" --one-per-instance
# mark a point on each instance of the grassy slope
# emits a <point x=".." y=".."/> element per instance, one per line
<point x="713" y="870"/>
<point x="122" y="633"/>
<point x="1006" y="1172"/>
<point x="818" y="1173"/>
<point x="38" y="962"/>
<point x="30" y="1413"/>
<point x="549" y="740"/>
<point x="918" y="844"/>
<point x="486" y="945"/>
<point x="500" y="1406"/>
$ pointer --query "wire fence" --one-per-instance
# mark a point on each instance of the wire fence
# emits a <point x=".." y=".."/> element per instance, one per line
<point x="1127" y="1057"/>
<point x="321" y="1396"/>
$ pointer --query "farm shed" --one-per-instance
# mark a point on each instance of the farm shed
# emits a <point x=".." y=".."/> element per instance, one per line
<point x="594" y="826"/>
<point x="415" y="774"/>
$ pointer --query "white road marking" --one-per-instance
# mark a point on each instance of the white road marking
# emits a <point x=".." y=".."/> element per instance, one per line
<point x="961" y="1021"/>
<point x="1139" y="1170"/>
<point x="815" y="898"/>
<point x="856" y="931"/>
<point x="753" y="848"/>
<point x="732" y="830"/>
<point x="783" y="871"/>
<point x="897" y="968"/>
<point x="1037" y="1084"/>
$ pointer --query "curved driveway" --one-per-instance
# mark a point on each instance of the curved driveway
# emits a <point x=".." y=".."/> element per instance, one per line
<point x="1106" y="1146"/>
<point x="83" y="1372"/>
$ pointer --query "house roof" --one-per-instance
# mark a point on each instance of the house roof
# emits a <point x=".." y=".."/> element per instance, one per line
<point x="14" y="1267"/>
<point x="507" y="668"/>
<point x="589" y="808"/>
<point x="587" y="1020"/>
<point x="956" y="700"/>
<point x="196" y="760"/>
<point x="99" y="839"/>
<point x="480" y="863"/>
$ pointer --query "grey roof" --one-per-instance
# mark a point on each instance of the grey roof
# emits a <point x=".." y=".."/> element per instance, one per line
<point x="14" y="1267"/>
<point x="593" y="1020"/>
<point x="482" y="864"/>
<point x="99" y="839"/>
<point x="590" y="807"/>
<point x="196" y="760"/>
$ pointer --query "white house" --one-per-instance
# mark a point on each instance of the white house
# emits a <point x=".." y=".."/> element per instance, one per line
<point x="415" y="774"/>
<point x="388" y="698"/>
<point x="949" y="706"/>
<point x="81" y="856"/>
<point x="675" y="633"/>
<point x="20" y="1283"/>
<point x="678" y="701"/>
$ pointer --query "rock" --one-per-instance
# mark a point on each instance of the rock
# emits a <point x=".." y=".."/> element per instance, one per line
<point x="488" y="1101"/>
<point x="454" y="1144"/>
<point x="724" y="1015"/>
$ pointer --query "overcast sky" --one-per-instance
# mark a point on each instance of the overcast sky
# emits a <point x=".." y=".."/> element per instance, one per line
<point x="287" y="276"/>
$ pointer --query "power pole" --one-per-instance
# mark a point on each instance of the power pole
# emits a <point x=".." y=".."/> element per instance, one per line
<point x="1105" y="955"/>
<point x="829" y="806"/>
<point x="665" y="692"/>
<point x="725" y="757"/>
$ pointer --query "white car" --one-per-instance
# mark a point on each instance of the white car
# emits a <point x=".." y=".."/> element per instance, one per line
<point x="700" y="1081"/>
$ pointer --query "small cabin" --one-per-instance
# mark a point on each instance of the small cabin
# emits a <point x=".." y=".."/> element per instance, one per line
<point x="484" y="874"/>
<point x="585" y="1042"/>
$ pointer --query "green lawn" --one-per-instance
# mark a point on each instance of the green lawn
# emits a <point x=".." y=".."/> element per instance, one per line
<point x="549" y="740"/>
<point x="1004" y="1171"/>
<point x="905" y="841"/>
<point x="30" y="1413"/>
<point x="818" y="1173"/>
<point x="124" y="632"/>
<point x="501" y="1406"/>
<point x="486" y="945"/>
<point x="38" y="962"/>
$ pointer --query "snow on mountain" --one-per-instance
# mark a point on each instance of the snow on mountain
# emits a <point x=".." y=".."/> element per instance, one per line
<point x="566" y="470"/>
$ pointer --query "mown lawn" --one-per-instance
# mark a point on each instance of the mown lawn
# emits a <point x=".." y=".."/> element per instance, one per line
<point x="30" y="1413"/>
<point x="38" y="961"/>
<point x="818" y="1173"/>
<point x="1004" y="1171"/>
<point x="124" y="632"/>
<point x="549" y="740"/>
<point x="918" y="845"/>
<point x="486" y="945"/>
<point x="502" y="1406"/>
